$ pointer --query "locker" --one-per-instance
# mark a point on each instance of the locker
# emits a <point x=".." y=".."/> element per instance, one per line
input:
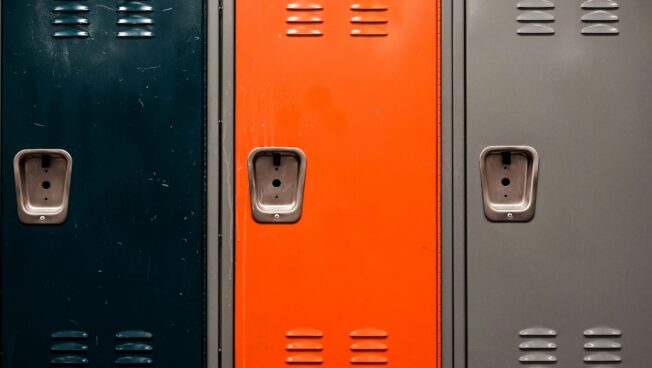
<point x="346" y="94"/>
<point x="102" y="165"/>
<point x="571" y="80"/>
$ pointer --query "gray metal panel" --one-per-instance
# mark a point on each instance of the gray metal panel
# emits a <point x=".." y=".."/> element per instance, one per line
<point x="458" y="175"/>
<point x="584" y="261"/>
<point x="221" y="54"/>
<point x="213" y="185"/>
<point x="447" y="288"/>
<point x="227" y="190"/>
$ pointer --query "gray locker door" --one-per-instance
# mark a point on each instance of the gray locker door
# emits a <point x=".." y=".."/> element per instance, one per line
<point x="584" y="102"/>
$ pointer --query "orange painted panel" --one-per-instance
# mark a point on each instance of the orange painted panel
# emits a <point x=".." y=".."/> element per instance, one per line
<point x="355" y="85"/>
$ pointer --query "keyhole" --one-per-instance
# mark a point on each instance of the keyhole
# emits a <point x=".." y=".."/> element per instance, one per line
<point x="505" y="182"/>
<point x="276" y="183"/>
<point x="46" y="184"/>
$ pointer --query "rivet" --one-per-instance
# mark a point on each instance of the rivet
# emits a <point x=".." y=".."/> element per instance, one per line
<point x="42" y="218"/>
<point x="277" y="216"/>
<point x="510" y="216"/>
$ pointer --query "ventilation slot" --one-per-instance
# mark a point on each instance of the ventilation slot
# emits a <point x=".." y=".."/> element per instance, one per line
<point x="600" y="29"/>
<point x="537" y="332"/>
<point x="603" y="332"/>
<point x="134" y="20"/>
<point x="536" y="17"/>
<point x="369" y="18"/>
<point x="304" y="19"/>
<point x="537" y="345"/>
<point x="602" y="345"/>
<point x="369" y="346"/>
<point x="304" y="346"/>
<point x="604" y="348"/>
<point x="599" y="4"/>
<point x="68" y="347"/>
<point x="602" y="358"/>
<point x="601" y="15"/>
<point x="70" y="20"/>
<point x="535" y="4"/>
<point x="537" y="349"/>
<point x="134" y="348"/>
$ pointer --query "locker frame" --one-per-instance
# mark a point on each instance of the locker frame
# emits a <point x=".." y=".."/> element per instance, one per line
<point x="454" y="307"/>
<point x="220" y="184"/>
<point x="453" y="350"/>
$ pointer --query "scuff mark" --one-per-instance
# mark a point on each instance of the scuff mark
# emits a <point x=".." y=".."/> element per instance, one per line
<point x="145" y="68"/>
<point x="105" y="7"/>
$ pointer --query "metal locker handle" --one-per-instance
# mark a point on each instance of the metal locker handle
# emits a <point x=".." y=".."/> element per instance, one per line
<point x="509" y="182"/>
<point x="42" y="178"/>
<point x="276" y="183"/>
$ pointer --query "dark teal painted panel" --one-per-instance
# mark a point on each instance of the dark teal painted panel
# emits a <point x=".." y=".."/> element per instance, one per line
<point x="130" y="255"/>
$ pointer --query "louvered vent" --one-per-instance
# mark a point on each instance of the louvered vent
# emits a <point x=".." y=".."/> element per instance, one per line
<point x="135" y="19"/>
<point x="304" y="19"/>
<point x="69" y="347"/>
<point x="369" y="18"/>
<point x="603" y="348"/>
<point x="600" y="18"/>
<point x="71" y="19"/>
<point x="304" y="346"/>
<point x="536" y="17"/>
<point x="369" y="346"/>
<point x="537" y="346"/>
<point x="134" y="348"/>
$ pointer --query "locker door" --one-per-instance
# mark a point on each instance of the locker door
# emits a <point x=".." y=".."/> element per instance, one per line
<point x="119" y="87"/>
<point x="354" y="85"/>
<point x="580" y="270"/>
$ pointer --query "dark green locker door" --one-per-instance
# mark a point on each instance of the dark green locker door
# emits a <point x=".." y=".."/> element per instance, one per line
<point x="119" y="86"/>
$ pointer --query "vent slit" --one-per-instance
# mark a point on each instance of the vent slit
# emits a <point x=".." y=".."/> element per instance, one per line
<point x="68" y="23"/>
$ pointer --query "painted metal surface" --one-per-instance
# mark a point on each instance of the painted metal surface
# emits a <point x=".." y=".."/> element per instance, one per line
<point x="126" y="267"/>
<point x="361" y="266"/>
<point x="579" y="271"/>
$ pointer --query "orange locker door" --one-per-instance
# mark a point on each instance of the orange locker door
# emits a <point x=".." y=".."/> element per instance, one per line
<point x="355" y="86"/>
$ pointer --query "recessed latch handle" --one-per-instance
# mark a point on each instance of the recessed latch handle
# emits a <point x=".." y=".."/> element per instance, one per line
<point x="276" y="183"/>
<point x="509" y="182"/>
<point x="42" y="178"/>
